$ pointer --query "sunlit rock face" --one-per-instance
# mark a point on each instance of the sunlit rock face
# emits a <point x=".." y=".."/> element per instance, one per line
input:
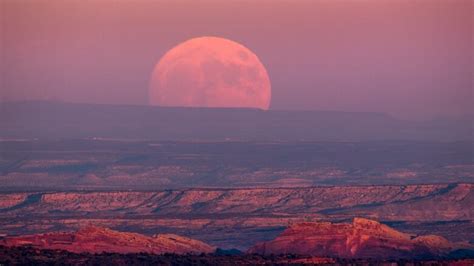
<point x="362" y="239"/>
<point x="94" y="239"/>
<point x="247" y="215"/>
<point x="210" y="72"/>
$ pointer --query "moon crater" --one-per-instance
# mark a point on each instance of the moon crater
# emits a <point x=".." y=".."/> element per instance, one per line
<point x="210" y="72"/>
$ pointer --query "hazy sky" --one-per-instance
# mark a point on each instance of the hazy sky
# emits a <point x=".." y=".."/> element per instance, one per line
<point x="410" y="58"/>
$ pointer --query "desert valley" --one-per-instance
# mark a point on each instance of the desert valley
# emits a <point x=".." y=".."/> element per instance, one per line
<point x="316" y="200"/>
<point x="269" y="132"/>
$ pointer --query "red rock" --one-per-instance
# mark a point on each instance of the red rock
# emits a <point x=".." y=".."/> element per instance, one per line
<point x="94" y="239"/>
<point x="362" y="239"/>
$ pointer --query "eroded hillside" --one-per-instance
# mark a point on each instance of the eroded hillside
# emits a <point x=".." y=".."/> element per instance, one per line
<point x="238" y="217"/>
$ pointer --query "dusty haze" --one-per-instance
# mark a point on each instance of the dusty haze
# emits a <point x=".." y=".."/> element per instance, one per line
<point x="412" y="59"/>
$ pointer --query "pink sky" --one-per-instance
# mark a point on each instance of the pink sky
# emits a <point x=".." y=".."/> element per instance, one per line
<point x="409" y="58"/>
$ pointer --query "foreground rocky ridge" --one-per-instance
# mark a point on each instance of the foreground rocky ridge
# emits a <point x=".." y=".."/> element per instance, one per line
<point x="362" y="239"/>
<point x="94" y="239"/>
<point x="31" y="256"/>
<point x="312" y="241"/>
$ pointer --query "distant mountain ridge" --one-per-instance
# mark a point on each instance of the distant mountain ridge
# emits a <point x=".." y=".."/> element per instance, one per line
<point x="58" y="120"/>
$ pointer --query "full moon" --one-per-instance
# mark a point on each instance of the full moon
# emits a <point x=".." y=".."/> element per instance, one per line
<point x="210" y="72"/>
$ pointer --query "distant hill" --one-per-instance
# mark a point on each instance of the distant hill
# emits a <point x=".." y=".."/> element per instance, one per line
<point x="362" y="239"/>
<point x="94" y="239"/>
<point x="58" y="120"/>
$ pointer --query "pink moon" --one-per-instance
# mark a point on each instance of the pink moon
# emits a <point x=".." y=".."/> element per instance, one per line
<point x="210" y="72"/>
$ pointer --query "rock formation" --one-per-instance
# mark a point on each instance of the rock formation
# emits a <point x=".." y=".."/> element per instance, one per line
<point x="94" y="239"/>
<point x="362" y="239"/>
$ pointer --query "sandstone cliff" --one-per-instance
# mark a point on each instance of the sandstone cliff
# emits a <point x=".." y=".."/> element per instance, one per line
<point x="94" y="239"/>
<point x="362" y="239"/>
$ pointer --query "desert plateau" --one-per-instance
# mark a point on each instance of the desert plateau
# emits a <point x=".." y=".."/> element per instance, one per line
<point x="269" y="132"/>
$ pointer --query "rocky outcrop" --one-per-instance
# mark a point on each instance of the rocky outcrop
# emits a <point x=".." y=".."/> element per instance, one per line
<point x="11" y="199"/>
<point x="408" y="203"/>
<point x="362" y="239"/>
<point x="94" y="239"/>
<point x="239" y="218"/>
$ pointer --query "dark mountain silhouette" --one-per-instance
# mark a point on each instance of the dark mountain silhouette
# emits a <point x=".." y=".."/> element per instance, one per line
<point x="53" y="120"/>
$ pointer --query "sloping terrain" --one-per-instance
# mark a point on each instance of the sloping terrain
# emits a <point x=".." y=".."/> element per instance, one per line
<point x="31" y="256"/>
<point x="238" y="218"/>
<point x="25" y="255"/>
<point x="112" y="164"/>
<point x="451" y="203"/>
<point x="362" y="239"/>
<point x="412" y="202"/>
<point x="93" y="239"/>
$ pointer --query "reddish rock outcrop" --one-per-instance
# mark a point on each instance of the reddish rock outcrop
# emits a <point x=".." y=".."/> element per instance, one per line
<point x="239" y="218"/>
<point x="93" y="239"/>
<point x="362" y="239"/>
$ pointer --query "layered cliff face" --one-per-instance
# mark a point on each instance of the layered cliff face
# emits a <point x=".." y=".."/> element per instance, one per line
<point x="426" y="202"/>
<point x="362" y="239"/>
<point x="94" y="239"/>
<point x="239" y="218"/>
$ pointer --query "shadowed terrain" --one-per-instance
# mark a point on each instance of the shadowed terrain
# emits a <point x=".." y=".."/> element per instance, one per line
<point x="97" y="164"/>
<point x="256" y="175"/>
<point x="31" y="256"/>
<point x="237" y="218"/>
<point x="302" y="243"/>
<point x="58" y="120"/>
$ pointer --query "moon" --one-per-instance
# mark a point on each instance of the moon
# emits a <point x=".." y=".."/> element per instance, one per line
<point x="210" y="72"/>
